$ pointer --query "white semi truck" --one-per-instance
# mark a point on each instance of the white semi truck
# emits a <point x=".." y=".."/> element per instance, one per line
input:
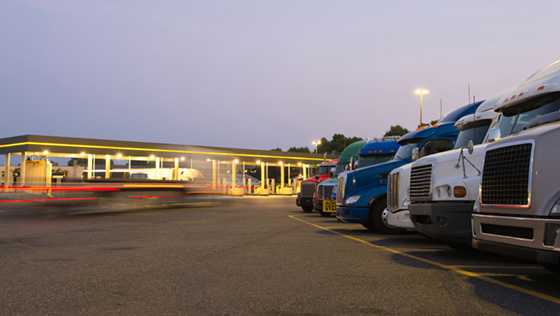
<point x="401" y="193"/>
<point x="518" y="210"/>
<point x="444" y="187"/>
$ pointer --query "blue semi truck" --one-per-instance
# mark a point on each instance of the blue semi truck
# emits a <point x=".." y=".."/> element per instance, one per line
<point x="374" y="152"/>
<point x="362" y="193"/>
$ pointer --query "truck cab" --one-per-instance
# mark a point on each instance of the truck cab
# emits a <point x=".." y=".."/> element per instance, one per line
<point x="308" y="186"/>
<point x="362" y="193"/>
<point x="442" y="188"/>
<point x="374" y="152"/>
<point x="518" y="209"/>
<point x="322" y="198"/>
<point x="377" y="152"/>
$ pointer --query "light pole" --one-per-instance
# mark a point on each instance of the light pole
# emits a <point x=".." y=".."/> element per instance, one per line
<point x="46" y="153"/>
<point x="316" y="143"/>
<point x="263" y="183"/>
<point x="243" y="186"/>
<point x="213" y="172"/>
<point x="218" y="173"/>
<point x="289" y="179"/>
<point x="421" y="92"/>
<point x="233" y="175"/>
<point x="281" y="176"/>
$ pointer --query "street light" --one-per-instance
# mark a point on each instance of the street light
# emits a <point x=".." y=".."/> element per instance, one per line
<point x="316" y="143"/>
<point x="421" y="92"/>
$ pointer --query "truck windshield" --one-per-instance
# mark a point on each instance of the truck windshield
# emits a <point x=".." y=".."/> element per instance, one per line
<point x="405" y="151"/>
<point x="475" y="131"/>
<point x="324" y="169"/>
<point x="515" y="118"/>
<point x="365" y="161"/>
<point x="339" y="168"/>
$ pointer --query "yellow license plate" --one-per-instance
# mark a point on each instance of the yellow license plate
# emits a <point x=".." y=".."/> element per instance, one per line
<point x="329" y="206"/>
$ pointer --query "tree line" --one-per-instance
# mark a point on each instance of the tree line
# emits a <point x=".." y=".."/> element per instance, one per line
<point x="339" y="142"/>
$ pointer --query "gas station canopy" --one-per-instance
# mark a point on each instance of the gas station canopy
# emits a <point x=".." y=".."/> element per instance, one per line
<point x="70" y="147"/>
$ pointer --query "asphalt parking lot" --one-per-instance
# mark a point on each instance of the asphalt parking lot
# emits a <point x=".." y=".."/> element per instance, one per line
<point x="250" y="256"/>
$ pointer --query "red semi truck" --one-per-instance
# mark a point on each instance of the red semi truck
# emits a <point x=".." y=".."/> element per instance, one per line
<point x="308" y="186"/>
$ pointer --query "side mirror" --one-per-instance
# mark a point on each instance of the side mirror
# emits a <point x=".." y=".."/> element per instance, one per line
<point x="317" y="177"/>
<point x="352" y="162"/>
<point x="347" y="168"/>
<point x="355" y="165"/>
<point x="470" y="147"/>
<point x="415" y="154"/>
<point x="333" y="170"/>
<point x="495" y="134"/>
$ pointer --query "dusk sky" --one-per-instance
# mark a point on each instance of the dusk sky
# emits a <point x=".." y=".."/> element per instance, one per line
<point x="258" y="74"/>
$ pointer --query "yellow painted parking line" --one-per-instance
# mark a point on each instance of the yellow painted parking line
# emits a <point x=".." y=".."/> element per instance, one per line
<point x="524" y="278"/>
<point x="521" y="277"/>
<point x="437" y="264"/>
<point x="497" y="267"/>
<point x="500" y="274"/>
<point x="340" y="227"/>
<point x="424" y="249"/>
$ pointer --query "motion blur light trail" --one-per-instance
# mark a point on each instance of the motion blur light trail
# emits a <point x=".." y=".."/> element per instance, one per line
<point x="102" y="196"/>
<point x="44" y="200"/>
<point x="62" y="189"/>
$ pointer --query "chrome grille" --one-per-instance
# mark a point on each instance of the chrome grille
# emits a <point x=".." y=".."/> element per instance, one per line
<point x="420" y="183"/>
<point x="505" y="177"/>
<point x="340" y="190"/>
<point x="308" y="188"/>
<point x="393" y="191"/>
<point x="325" y="191"/>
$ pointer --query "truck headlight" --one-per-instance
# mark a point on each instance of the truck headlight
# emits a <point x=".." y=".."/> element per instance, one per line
<point x="551" y="234"/>
<point x="444" y="192"/>
<point x="555" y="211"/>
<point x="352" y="199"/>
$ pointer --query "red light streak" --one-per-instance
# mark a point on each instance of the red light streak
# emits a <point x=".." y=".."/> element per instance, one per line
<point x="46" y="200"/>
<point x="63" y="189"/>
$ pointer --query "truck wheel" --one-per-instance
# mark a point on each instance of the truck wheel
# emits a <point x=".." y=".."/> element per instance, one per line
<point x="552" y="267"/>
<point x="384" y="216"/>
<point x="375" y="219"/>
<point x="325" y="214"/>
<point x="307" y="208"/>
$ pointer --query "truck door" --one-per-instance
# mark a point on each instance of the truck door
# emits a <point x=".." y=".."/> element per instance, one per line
<point x="434" y="146"/>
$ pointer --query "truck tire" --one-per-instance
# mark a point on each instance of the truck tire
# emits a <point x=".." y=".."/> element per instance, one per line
<point x="376" y="223"/>
<point x="307" y="208"/>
